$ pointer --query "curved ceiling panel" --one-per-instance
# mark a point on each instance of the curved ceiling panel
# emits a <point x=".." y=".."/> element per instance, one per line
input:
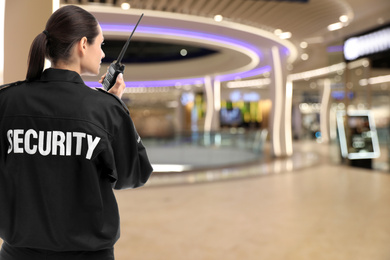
<point x="233" y="55"/>
<point x="243" y="51"/>
<point x="306" y="21"/>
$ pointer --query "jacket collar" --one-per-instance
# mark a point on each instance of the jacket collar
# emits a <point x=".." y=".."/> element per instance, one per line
<point x="61" y="75"/>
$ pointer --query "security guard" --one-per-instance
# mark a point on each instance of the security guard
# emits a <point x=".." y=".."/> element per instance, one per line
<point x="64" y="147"/>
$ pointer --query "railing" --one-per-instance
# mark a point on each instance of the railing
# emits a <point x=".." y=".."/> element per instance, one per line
<point x="196" y="150"/>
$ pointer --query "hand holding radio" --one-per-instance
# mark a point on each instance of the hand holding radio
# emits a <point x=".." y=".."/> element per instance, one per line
<point x="116" y="67"/>
<point x="119" y="86"/>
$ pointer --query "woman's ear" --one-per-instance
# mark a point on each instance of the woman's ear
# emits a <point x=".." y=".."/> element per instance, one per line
<point x="82" y="45"/>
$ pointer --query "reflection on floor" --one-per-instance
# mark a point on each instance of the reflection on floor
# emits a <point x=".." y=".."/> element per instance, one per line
<point x="305" y="207"/>
<point x="298" y="209"/>
<point x="253" y="168"/>
<point x="195" y="158"/>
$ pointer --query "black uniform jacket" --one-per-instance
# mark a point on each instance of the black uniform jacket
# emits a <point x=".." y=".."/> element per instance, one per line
<point x="63" y="148"/>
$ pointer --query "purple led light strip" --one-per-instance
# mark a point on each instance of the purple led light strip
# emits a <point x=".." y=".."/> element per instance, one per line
<point x="189" y="81"/>
<point x="187" y="34"/>
<point x="181" y="33"/>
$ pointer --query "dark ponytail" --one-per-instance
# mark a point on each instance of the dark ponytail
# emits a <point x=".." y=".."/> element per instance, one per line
<point x="65" y="27"/>
<point x="36" y="57"/>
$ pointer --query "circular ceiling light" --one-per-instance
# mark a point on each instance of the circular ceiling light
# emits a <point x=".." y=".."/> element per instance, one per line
<point x="218" y="18"/>
<point x="278" y="32"/>
<point x="303" y="45"/>
<point x="344" y="18"/>
<point x="125" y="6"/>
<point x="305" y="56"/>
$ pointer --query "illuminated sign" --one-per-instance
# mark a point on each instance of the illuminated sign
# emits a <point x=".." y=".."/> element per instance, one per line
<point x="358" y="136"/>
<point x="236" y="96"/>
<point x="367" y="44"/>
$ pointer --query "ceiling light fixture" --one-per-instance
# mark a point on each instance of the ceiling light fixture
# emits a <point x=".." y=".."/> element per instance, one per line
<point x="335" y="26"/>
<point x="249" y="83"/>
<point x="184" y="81"/>
<point x="375" y="80"/>
<point x="344" y="18"/>
<point x="278" y="32"/>
<point x="282" y="35"/>
<point x="285" y="35"/>
<point x="218" y="18"/>
<point x="305" y="56"/>
<point x="125" y="6"/>
<point x="303" y="45"/>
<point x="317" y="72"/>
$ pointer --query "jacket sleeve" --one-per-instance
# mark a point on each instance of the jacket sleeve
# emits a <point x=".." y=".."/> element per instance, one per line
<point x="131" y="163"/>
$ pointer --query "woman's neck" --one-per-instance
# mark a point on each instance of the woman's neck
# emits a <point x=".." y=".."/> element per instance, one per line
<point x="64" y="66"/>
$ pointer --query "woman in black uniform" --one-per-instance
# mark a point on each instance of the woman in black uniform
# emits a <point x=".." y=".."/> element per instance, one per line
<point x="64" y="147"/>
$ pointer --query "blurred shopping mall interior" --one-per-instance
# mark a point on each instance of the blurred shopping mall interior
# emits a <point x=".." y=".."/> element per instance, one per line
<point x="267" y="123"/>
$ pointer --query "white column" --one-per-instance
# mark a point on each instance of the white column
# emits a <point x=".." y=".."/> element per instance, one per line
<point x="281" y="95"/>
<point x="325" y="112"/>
<point x="213" y="99"/>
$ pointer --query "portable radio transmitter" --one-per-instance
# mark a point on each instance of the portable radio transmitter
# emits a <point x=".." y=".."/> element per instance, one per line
<point x="116" y="67"/>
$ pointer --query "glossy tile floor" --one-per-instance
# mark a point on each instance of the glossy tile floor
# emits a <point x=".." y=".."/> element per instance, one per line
<point x="304" y="207"/>
<point x="308" y="208"/>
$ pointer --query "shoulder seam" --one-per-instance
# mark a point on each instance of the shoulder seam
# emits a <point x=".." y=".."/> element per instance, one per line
<point x="117" y="99"/>
<point x="12" y="84"/>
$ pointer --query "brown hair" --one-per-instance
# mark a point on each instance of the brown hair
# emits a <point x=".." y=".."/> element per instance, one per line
<point x="65" y="27"/>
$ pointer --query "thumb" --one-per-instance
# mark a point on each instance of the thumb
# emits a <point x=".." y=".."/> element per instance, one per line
<point x="119" y="79"/>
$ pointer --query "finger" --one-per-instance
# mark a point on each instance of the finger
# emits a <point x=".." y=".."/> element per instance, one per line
<point x="120" y="83"/>
<point x="119" y="86"/>
<point x="119" y="79"/>
<point x="102" y="78"/>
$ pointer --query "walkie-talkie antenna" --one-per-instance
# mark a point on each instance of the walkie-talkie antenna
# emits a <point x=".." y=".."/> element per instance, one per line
<point x="117" y="68"/>
<point x="127" y="43"/>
